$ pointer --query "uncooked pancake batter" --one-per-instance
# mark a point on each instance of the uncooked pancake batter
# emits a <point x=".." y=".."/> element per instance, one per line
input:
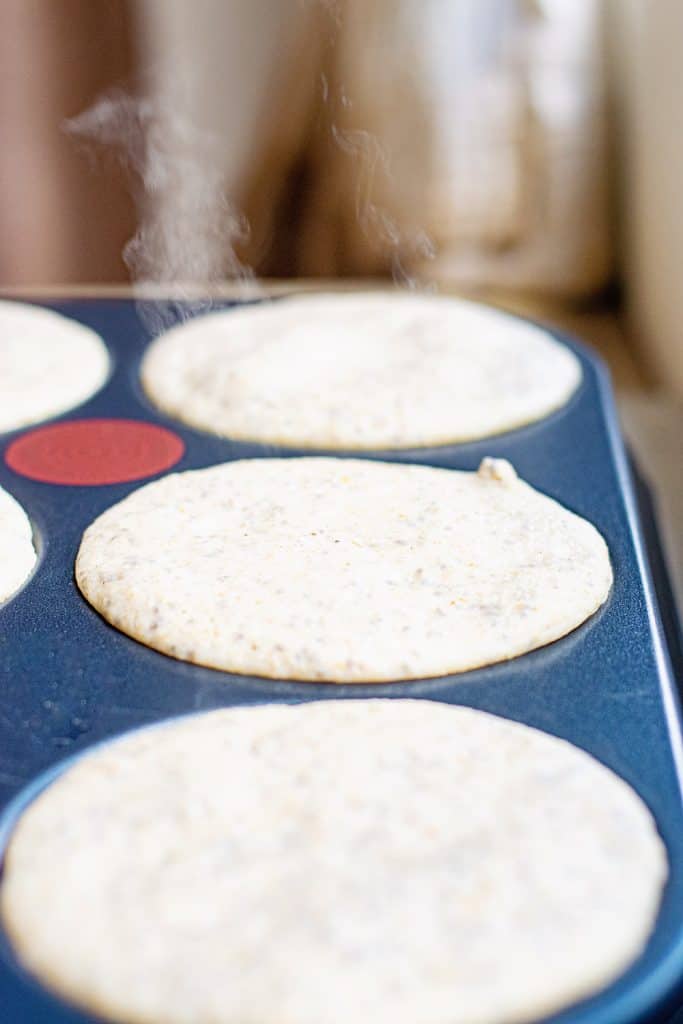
<point x="373" y="861"/>
<point x="17" y="554"/>
<point x="343" y="570"/>
<point x="359" y="371"/>
<point x="48" y="364"/>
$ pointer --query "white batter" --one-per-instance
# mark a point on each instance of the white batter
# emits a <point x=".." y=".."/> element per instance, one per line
<point x="354" y="371"/>
<point x="343" y="570"/>
<point x="17" y="554"/>
<point x="383" y="862"/>
<point x="48" y="364"/>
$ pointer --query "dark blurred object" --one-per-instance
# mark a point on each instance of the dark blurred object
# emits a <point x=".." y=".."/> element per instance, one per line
<point x="479" y="126"/>
<point x="61" y="219"/>
<point x="463" y="142"/>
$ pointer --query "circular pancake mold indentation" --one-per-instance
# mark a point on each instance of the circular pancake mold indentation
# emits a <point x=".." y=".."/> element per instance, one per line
<point x="387" y="861"/>
<point x="48" y="364"/>
<point x="94" y="452"/>
<point x="17" y="554"/>
<point x="359" y="371"/>
<point x="343" y="570"/>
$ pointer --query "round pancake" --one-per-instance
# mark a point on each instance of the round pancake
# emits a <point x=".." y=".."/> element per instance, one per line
<point x="48" y="364"/>
<point x="17" y="554"/>
<point x="342" y="570"/>
<point x="359" y="371"/>
<point x="388" y="861"/>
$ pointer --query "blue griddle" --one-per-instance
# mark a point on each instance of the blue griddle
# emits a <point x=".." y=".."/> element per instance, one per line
<point x="68" y="680"/>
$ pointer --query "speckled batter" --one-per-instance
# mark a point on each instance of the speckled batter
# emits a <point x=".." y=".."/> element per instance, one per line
<point x="359" y="371"/>
<point x="48" y="364"/>
<point x="382" y="862"/>
<point x="342" y="570"/>
<point x="17" y="554"/>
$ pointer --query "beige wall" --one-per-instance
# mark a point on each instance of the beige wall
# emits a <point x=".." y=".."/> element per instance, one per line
<point x="64" y="214"/>
<point x="649" y="78"/>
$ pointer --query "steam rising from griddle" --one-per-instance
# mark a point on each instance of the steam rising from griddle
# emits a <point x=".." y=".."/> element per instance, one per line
<point x="368" y="159"/>
<point x="189" y="229"/>
<point x="369" y="155"/>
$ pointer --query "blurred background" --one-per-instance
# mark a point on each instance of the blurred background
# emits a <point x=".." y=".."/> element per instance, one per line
<point x="524" y="151"/>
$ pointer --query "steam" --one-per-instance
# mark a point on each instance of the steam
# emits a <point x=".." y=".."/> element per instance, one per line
<point x="188" y="229"/>
<point x="190" y="232"/>
<point x="370" y="158"/>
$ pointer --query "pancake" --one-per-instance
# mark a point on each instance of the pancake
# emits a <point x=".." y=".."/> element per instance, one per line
<point x="342" y="570"/>
<point x="375" y="861"/>
<point x="359" y="371"/>
<point x="48" y="364"/>
<point x="17" y="554"/>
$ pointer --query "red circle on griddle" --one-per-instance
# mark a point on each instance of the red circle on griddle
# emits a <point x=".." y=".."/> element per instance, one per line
<point x="93" y="452"/>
